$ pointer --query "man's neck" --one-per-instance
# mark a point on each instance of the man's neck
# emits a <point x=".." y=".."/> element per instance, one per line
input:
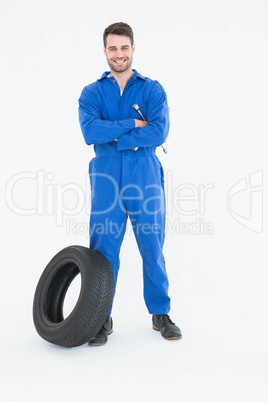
<point x="122" y="78"/>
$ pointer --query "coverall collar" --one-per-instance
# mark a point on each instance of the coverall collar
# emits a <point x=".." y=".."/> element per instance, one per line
<point x="134" y="76"/>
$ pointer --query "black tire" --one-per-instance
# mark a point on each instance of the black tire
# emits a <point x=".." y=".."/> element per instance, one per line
<point x="93" y="304"/>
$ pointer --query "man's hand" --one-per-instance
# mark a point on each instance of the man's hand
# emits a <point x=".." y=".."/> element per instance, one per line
<point x="140" y="123"/>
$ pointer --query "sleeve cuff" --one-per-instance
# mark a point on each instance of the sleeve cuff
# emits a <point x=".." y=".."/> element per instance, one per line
<point x="123" y="140"/>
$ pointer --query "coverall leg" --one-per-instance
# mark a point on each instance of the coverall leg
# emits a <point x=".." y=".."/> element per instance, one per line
<point x="107" y="219"/>
<point x="147" y="214"/>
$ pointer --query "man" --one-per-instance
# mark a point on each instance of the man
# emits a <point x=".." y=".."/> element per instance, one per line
<point x="126" y="176"/>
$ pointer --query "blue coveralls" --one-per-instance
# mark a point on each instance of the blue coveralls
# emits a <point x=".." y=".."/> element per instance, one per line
<point x="127" y="183"/>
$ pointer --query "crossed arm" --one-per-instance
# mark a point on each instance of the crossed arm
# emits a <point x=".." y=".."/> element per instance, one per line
<point x="128" y="133"/>
<point x="138" y="123"/>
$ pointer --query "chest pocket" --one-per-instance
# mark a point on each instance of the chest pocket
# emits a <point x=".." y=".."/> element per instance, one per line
<point x="144" y="113"/>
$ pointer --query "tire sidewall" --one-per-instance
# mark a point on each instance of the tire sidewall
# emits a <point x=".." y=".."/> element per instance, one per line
<point x="44" y="326"/>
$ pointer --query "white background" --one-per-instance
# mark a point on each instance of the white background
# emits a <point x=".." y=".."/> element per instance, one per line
<point x="212" y="59"/>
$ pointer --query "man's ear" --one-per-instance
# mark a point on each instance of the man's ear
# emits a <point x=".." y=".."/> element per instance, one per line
<point x="104" y="50"/>
<point x="133" y="47"/>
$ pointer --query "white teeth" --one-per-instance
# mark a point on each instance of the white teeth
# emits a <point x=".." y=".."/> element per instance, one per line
<point x="119" y="61"/>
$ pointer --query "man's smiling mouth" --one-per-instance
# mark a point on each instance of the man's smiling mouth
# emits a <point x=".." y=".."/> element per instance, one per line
<point x="121" y="61"/>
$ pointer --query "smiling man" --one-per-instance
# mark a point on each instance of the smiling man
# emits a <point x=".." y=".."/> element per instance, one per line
<point x="126" y="177"/>
<point x="122" y="61"/>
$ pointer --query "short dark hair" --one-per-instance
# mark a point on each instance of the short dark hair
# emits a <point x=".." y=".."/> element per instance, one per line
<point x="118" y="28"/>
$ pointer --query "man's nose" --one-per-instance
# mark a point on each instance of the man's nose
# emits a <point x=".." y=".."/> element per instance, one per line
<point x="119" y="54"/>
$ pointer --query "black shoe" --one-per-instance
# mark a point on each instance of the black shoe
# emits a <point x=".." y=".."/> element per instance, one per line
<point x="102" y="336"/>
<point x="168" y="329"/>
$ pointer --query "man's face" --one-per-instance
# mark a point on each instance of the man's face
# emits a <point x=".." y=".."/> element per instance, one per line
<point x="119" y="52"/>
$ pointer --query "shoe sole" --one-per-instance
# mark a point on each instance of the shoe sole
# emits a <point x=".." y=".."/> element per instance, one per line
<point x="172" y="337"/>
<point x="103" y="343"/>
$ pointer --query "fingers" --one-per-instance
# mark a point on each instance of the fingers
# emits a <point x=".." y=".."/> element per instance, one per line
<point x="140" y="123"/>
